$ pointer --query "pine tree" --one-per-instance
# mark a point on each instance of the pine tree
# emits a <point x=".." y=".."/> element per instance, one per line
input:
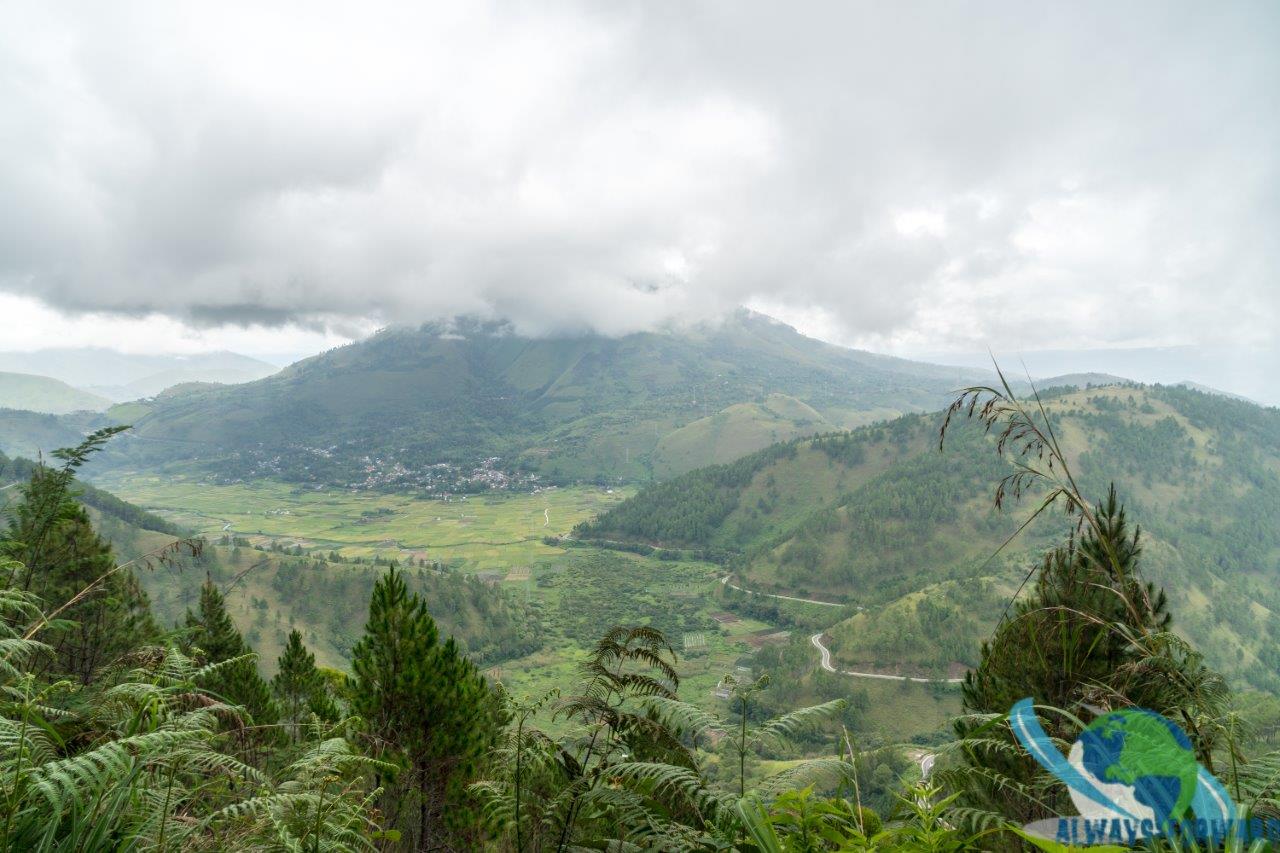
<point x="1073" y="644"/>
<point x="51" y="535"/>
<point x="427" y="707"/>
<point x="299" y="687"/>
<point x="214" y="633"/>
<point x="1067" y="642"/>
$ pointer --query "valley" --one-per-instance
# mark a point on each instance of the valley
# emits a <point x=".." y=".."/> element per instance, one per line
<point x="291" y="557"/>
<point x="862" y="564"/>
<point x="807" y="535"/>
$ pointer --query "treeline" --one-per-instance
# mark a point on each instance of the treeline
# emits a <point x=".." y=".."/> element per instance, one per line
<point x="686" y="510"/>
<point x="328" y="599"/>
<point x="899" y="527"/>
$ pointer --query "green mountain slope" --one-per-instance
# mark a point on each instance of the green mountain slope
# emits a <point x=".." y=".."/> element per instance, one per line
<point x="46" y="395"/>
<point x="734" y="432"/>
<point x="568" y="408"/>
<point x="880" y="519"/>
<point x="30" y="434"/>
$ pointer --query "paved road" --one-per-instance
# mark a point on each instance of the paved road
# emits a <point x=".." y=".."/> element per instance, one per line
<point x="725" y="580"/>
<point x="816" y="640"/>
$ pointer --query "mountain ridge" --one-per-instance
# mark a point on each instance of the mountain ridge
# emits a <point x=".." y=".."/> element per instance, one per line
<point x="584" y="407"/>
<point x="880" y="520"/>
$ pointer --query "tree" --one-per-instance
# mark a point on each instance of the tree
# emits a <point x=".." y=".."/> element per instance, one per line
<point x="65" y="561"/>
<point x="426" y="707"/>
<point x="214" y="634"/>
<point x="299" y="686"/>
<point x="1092" y="636"/>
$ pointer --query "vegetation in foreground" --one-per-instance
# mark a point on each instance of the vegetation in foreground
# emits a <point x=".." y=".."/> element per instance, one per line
<point x="120" y="734"/>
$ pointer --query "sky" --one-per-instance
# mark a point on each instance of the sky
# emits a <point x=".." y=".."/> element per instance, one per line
<point x="906" y="177"/>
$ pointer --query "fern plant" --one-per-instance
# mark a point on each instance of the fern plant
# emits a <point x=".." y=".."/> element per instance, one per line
<point x="695" y="723"/>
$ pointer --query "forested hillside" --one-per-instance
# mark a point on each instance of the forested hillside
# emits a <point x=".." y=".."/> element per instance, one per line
<point x="384" y="410"/>
<point x="270" y="593"/>
<point x="29" y="434"/>
<point x="882" y="519"/>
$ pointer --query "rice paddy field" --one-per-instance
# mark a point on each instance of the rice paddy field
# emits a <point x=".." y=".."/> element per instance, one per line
<point x="496" y="531"/>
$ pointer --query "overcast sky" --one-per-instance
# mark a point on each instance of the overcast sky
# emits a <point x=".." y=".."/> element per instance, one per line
<point x="906" y="177"/>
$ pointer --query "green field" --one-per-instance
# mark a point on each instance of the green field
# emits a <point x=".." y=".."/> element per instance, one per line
<point x="479" y="532"/>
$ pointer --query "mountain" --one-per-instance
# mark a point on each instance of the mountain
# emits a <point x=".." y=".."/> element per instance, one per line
<point x="1241" y="369"/>
<point x="47" y="395"/>
<point x="384" y="410"/>
<point x="124" y="376"/>
<point x="881" y="521"/>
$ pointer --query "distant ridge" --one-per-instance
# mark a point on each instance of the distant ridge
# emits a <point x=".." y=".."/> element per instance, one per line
<point x="126" y="376"/>
<point x="1082" y="380"/>
<point x="1196" y="386"/>
<point x="46" y="395"/>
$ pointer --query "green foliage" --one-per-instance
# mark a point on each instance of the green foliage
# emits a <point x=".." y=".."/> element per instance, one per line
<point x="686" y="510"/>
<point x="128" y="754"/>
<point x="12" y="470"/>
<point x="216" y="640"/>
<point x="596" y="591"/>
<point x="426" y="708"/>
<point x="61" y="558"/>
<point x="300" y="690"/>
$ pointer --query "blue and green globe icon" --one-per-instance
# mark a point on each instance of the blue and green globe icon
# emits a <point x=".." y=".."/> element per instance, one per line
<point x="1140" y="761"/>
<point x="1132" y="766"/>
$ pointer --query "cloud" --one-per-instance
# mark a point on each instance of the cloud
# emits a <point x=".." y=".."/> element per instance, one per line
<point x="902" y="175"/>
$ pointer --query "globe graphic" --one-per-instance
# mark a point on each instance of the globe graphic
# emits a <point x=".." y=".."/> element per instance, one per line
<point x="1143" y="762"/>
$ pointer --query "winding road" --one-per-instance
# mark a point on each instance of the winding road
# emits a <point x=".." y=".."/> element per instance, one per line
<point x="816" y="640"/>
<point x="725" y="580"/>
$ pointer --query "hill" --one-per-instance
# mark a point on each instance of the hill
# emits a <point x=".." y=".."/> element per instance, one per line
<point x="384" y="410"/>
<point x="30" y="434"/>
<point x="127" y="376"/>
<point x="46" y="395"/>
<point x="879" y="519"/>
